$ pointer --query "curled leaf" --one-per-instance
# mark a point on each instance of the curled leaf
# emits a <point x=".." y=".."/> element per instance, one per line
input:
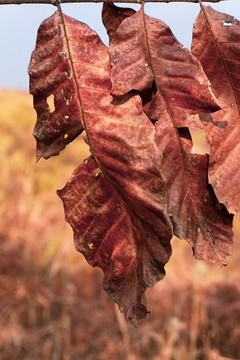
<point x="141" y="181"/>
<point x="154" y="54"/>
<point x="52" y="84"/>
<point x="182" y="88"/>
<point x="116" y="236"/>
<point x="217" y="48"/>
<point x="112" y="16"/>
<point x="113" y="201"/>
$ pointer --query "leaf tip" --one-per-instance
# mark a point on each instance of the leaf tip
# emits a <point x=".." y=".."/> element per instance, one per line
<point x="136" y="312"/>
<point x="38" y="156"/>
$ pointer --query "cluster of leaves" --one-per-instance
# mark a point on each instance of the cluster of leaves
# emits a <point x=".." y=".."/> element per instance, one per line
<point x="136" y="101"/>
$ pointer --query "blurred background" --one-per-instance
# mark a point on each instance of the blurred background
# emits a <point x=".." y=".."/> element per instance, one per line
<point x="52" y="306"/>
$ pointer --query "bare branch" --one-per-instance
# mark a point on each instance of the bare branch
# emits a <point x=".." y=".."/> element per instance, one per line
<point x="53" y="2"/>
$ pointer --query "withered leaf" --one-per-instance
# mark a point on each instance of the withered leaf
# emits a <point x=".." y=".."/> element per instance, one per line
<point x="154" y="54"/>
<point x="216" y="43"/>
<point x="51" y="79"/>
<point x="113" y="236"/>
<point x="141" y="182"/>
<point x="112" y="16"/>
<point x="182" y="88"/>
<point x="114" y="201"/>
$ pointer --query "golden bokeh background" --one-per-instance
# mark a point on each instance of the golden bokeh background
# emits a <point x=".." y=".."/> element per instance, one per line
<point x="52" y="306"/>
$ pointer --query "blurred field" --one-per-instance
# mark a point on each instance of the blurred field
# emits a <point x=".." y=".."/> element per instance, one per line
<point x="51" y="303"/>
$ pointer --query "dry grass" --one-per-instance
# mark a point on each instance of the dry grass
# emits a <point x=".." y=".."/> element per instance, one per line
<point x="51" y="303"/>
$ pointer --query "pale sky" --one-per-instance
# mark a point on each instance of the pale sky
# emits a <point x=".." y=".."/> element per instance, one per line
<point x="19" y="24"/>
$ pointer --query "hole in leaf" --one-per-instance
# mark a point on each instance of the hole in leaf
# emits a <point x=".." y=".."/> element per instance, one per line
<point x="66" y="117"/>
<point x="50" y="102"/>
<point x="67" y="100"/>
<point x="153" y="121"/>
<point x="227" y="23"/>
<point x="64" y="53"/>
<point x="65" y="136"/>
<point x="200" y="145"/>
<point x="184" y="133"/>
<point x="68" y="75"/>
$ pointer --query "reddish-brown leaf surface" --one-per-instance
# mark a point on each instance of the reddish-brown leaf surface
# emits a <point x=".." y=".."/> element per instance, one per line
<point x="182" y="88"/>
<point x="153" y="53"/>
<point x="196" y="215"/>
<point x="216" y="43"/>
<point x="112" y="235"/>
<point x="141" y="181"/>
<point x="114" y="202"/>
<point x="51" y="76"/>
<point x="112" y="17"/>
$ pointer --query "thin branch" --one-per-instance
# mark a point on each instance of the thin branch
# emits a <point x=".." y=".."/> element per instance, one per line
<point x="17" y="2"/>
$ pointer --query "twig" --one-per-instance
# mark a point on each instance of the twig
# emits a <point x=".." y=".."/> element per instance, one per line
<point x="17" y="2"/>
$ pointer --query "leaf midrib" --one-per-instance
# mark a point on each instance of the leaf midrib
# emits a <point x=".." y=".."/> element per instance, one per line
<point x="138" y="260"/>
<point x="161" y="94"/>
<point x="176" y="131"/>
<point x="220" y="53"/>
